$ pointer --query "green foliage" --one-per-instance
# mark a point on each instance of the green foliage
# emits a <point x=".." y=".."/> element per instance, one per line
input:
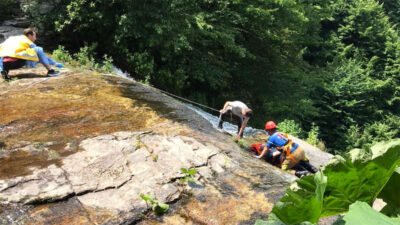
<point x="389" y="194"/>
<point x="303" y="199"/>
<point x="312" y="137"/>
<point x="83" y="59"/>
<point x="360" y="89"/>
<point x="239" y="142"/>
<point x="106" y="65"/>
<point x="142" y="64"/>
<point x="392" y="9"/>
<point x="274" y="220"/>
<point x="61" y="54"/>
<point x="334" y="63"/>
<point x="6" y="8"/>
<point x="384" y="130"/>
<point x="188" y="175"/>
<point x="53" y="154"/>
<point x="290" y="127"/>
<point x="358" y="176"/>
<point x="158" y="208"/>
<point x="362" y="213"/>
<point x="197" y="48"/>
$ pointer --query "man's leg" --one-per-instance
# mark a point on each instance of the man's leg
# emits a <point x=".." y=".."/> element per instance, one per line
<point x="307" y="165"/>
<point x="4" y="73"/>
<point x="222" y="117"/>
<point x="1" y="64"/>
<point x="12" y="65"/>
<point x="239" y="124"/>
<point x="46" y="61"/>
<point x="43" y="58"/>
<point x="300" y="170"/>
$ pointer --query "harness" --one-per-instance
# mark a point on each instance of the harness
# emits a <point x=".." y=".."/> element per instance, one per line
<point x="286" y="148"/>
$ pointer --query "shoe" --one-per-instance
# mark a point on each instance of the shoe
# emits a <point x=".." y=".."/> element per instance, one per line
<point x="53" y="73"/>
<point x="309" y="167"/>
<point x="300" y="174"/>
<point x="5" y="75"/>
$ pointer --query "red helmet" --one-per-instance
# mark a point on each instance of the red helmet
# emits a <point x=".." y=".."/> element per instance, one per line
<point x="270" y="125"/>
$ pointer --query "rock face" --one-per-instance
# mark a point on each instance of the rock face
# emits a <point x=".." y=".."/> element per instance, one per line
<point x="81" y="148"/>
<point x="7" y="31"/>
<point x="14" y="26"/>
<point x="20" y="12"/>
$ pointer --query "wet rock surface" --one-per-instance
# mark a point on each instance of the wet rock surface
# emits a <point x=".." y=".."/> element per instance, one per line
<point x="81" y="148"/>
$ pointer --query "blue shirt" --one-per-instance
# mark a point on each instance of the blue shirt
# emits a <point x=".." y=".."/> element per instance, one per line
<point x="279" y="140"/>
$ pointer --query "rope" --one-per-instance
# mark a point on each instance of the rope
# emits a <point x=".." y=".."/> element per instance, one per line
<point x="175" y="96"/>
<point x="187" y="100"/>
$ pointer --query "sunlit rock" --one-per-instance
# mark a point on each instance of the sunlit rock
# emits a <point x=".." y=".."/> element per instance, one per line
<point x="83" y="147"/>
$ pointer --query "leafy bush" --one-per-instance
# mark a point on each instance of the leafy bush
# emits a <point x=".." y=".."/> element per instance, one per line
<point x="290" y="127"/>
<point x="60" y="54"/>
<point x="358" y="176"/>
<point x="107" y="64"/>
<point x="313" y="135"/>
<point x="83" y="59"/>
<point x="384" y="130"/>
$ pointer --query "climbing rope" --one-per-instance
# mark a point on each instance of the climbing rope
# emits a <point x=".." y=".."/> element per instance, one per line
<point x="175" y="96"/>
<point x="187" y="100"/>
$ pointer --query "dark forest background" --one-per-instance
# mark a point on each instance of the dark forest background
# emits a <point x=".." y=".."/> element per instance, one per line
<point x="328" y="66"/>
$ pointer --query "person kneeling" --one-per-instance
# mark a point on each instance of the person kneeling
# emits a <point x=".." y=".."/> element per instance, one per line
<point x="293" y="155"/>
<point x="18" y="51"/>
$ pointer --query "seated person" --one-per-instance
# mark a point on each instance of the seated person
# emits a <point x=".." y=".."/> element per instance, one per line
<point x="18" y="51"/>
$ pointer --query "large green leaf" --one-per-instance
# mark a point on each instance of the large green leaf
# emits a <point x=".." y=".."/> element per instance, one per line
<point x="391" y="195"/>
<point x="362" y="213"/>
<point x="359" y="176"/>
<point x="302" y="201"/>
<point x="274" y="220"/>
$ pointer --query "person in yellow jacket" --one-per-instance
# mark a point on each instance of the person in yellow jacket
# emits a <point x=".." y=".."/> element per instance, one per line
<point x="17" y="51"/>
<point x="292" y="154"/>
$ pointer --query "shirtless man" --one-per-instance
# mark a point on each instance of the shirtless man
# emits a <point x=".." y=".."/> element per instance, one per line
<point x="240" y="111"/>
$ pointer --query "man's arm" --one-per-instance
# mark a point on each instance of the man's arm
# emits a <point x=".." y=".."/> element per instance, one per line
<point x="244" y="124"/>
<point x="223" y="110"/>
<point x="263" y="153"/>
